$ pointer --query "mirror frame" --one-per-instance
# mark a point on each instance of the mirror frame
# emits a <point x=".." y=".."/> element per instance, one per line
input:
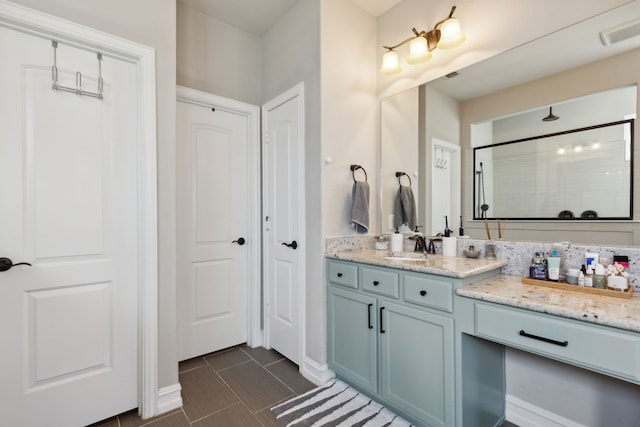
<point x="630" y="122"/>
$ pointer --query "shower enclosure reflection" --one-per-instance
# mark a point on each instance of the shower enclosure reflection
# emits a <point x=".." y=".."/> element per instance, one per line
<point x="568" y="173"/>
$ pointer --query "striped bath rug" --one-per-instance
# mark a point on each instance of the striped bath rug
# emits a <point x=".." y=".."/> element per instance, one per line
<point x="335" y="404"/>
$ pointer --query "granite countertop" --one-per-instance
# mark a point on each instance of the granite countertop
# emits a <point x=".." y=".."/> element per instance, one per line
<point x="458" y="267"/>
<point x="622" y="313"/>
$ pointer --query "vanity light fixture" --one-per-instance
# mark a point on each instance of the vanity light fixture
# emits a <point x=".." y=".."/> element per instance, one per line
<point x="446" y="34"/>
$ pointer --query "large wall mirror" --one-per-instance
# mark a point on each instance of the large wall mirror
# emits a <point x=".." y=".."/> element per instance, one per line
<point x="573" y="161"/>
<point x="490" y="102"/>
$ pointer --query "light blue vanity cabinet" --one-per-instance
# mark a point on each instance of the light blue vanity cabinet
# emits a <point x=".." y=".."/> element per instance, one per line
<point x="353" y="337"/>
<point x="391" y="335"/>
<point x="417" y="362"/>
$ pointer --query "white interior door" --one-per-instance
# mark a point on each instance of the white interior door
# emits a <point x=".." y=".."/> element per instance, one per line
<point x="215" y="237"/>
<point x="68" y="165"/>
<point x="283" y="207"/>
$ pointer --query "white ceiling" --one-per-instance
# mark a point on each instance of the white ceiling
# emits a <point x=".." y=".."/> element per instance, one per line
<point x="257" y="16"/>
<point x="253" y="16"/>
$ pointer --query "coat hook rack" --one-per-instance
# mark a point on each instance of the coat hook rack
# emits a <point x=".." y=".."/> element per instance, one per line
<point x="78" y="89"/>
<point x="354" y="168"/>
<point x="400" y="174"/>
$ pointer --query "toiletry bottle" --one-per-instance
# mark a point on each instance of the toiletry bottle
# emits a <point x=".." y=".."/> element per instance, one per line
<point x="581" y="278"/>
<point x="553" y="265"/>
<point x="560" y="249"/>
<point x="599" y="279"/>
<point x="539" y="268"/>
<point x="397" y="242"/>
<point x="588" y="278"/>
<point x="532" y="268"/>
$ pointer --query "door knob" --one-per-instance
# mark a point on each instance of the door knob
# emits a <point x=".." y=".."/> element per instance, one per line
<point x="6" y="264"/>
<point x="293" y="245"/>
<point x="240" y="241"/>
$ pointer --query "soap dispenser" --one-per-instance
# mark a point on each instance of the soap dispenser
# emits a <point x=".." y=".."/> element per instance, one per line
<point x="397" y="242"/>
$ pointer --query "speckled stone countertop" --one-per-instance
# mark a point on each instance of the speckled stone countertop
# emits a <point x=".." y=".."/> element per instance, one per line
<point x="458" y="267"/>
<point x="619" y="313"/>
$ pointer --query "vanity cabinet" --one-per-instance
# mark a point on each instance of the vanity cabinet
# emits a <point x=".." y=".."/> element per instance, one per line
<point x="601" y="349"/>
<point x="353" y="337"/>
<point x="392" y="337"/>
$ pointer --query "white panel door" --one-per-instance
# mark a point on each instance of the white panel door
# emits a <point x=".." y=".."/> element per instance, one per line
<point x="68" y="164"/>
<point x="213" y="228"/>
<point x="283" y="182"/>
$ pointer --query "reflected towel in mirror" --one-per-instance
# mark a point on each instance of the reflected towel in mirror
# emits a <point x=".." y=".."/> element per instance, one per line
<point x="404" y="208"/>
<point x="360" y="208"/>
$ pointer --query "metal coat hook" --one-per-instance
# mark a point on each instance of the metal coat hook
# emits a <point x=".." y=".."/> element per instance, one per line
<point x="354" y="168"/>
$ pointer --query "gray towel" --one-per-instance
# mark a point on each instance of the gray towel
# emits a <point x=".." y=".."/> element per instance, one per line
<point x="404" y="208"/>
<point x="360" y="208"/>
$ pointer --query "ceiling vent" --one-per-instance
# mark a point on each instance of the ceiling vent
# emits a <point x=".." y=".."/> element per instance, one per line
<point x="620" y="33"/>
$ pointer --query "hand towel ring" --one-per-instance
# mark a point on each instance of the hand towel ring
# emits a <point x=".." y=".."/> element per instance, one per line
<point x="400" y="175"/>
<point x="354" y="168"/>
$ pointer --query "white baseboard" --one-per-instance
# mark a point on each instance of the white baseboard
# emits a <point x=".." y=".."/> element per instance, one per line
<point x="169" y="398"/>
<point x="317" y="373"/>
<point x="525" y="414"/>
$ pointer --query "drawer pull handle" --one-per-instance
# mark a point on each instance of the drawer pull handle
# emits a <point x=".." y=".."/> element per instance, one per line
<point x="423" y="293"/>
<point x="369" y="308"/>
<point x="382" y="331"/>
<point x="339" y="274"/>
<point x="549" y="340"/>
<point x="376" y="283"/>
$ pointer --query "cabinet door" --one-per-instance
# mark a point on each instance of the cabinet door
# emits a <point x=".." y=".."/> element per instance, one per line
<point x="352" y="340"/>
<point x="417" y="363"/>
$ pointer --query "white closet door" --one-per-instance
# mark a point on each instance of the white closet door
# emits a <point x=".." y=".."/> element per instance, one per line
<point x="214" y="240"/>
<point x="68" y="167"/>
<point x="283" y="207"/>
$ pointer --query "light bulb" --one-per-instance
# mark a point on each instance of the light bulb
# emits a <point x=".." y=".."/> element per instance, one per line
<point x="390" y="63"/>
<point x="450" y="34"/>
<point x="418" y="51"/>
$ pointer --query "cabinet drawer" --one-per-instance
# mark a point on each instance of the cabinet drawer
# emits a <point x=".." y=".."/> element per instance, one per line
<point x="383" y="282"/>
<point x="343" y="274"/>
<point x="602" y="349"/>
<point x="428" y="292"/>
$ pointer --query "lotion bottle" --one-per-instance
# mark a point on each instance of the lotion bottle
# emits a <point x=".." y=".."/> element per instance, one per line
<point x="553" y="265"/>
<point x="599" y="279"/>
<point x="588" y="278"/>
<point x="581" y="278"/>
<point x="397" y="242"/>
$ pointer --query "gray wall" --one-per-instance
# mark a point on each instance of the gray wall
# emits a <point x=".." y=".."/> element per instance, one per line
<point x="576" y="394"/>
<point x="152" y="23"/>
<point x="217" y="58"/>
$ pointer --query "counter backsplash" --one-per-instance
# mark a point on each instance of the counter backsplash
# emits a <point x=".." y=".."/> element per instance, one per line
<point x="518" y="254"/>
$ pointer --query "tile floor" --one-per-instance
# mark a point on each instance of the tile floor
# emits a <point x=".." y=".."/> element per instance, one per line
<point x="231" y="388"/>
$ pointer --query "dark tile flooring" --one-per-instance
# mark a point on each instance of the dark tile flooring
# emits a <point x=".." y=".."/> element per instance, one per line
<point x="231" y="388"/>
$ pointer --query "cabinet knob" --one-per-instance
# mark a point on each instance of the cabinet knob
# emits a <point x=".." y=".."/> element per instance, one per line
<point x="423" y="293"/>
<point x="339" y="274"/>
<point x="376" y="283"/>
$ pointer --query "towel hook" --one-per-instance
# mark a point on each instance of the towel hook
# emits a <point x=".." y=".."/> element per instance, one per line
<point x="400" y="175"/>
<point x="354" y="168"/>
